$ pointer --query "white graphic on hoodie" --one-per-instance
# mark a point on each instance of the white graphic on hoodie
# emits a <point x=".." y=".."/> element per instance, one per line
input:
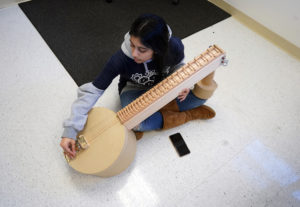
<point x="147" y="79"/>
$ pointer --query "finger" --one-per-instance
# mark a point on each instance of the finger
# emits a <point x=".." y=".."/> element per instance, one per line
<point x="183" y="92"/>
<point x="186" y="92"/>
<point x="68" y="150"/>
<point x="73" y="148"/>
<point x="183" y="98"/>
<point x="70" y="156"/>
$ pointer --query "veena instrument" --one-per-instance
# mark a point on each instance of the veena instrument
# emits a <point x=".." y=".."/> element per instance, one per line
<point x="107" y="145"/>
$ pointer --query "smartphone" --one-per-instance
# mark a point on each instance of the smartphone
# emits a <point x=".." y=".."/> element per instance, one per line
<point x="179" y="144"/>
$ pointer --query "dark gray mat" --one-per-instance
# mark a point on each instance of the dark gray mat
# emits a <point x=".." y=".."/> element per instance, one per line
<point x="83" y="34"/>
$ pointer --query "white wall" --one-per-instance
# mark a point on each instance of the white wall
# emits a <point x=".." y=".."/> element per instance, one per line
<point x="281" y="17"/>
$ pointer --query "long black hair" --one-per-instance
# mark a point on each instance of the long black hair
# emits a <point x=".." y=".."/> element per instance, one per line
<point x="153" y="33"/>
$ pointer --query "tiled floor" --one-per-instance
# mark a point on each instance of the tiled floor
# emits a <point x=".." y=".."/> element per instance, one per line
<point x="248" y="155"/>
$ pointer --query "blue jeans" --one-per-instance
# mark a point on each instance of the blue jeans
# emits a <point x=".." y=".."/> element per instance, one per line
<point x="155" y="121"/>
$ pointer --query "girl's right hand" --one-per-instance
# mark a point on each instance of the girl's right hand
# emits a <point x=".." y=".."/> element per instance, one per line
<point x="68" y="146"/>
<point x="183" y="94"/>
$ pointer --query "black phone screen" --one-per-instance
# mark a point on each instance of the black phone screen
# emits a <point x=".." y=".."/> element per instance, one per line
<point x="179" y="144"/>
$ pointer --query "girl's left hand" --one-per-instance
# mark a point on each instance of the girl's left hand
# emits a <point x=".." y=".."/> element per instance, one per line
<point x="183" y="94"/>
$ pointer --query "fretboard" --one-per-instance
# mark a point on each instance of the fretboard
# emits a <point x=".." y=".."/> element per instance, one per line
<point x="169" y="88"/>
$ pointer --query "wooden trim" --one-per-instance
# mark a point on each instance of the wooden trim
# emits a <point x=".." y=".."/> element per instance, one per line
<point x="259" y="28"/>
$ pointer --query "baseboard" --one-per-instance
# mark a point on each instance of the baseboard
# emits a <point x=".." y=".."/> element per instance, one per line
<point x="259" y="28"/>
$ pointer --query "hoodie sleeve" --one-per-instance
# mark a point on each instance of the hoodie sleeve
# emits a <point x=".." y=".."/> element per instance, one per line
<point x="112" y="69"/>
<point x="88" y="95"/>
